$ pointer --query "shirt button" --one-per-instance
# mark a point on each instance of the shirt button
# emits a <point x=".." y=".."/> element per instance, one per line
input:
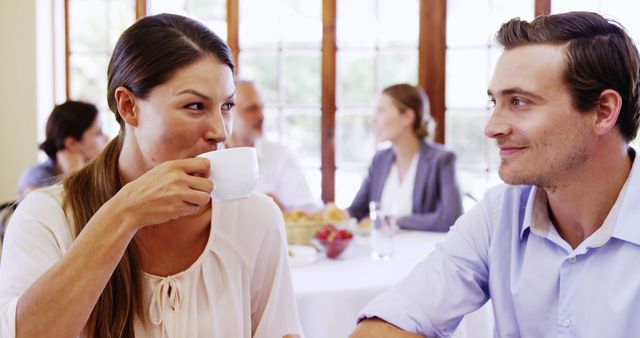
<point x="573" y="259"/>
<point x="566" y="322"/>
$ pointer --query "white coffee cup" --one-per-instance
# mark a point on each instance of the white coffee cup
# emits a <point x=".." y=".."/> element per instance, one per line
<point x="234" y="172"/>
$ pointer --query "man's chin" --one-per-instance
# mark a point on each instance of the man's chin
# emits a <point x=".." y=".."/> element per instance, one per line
<point x="513" y="178"/>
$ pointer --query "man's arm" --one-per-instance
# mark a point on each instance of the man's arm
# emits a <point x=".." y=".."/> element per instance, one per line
<point x="378" y="328"/>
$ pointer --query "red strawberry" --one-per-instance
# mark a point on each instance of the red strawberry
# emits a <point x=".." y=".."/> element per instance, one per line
<point x="322" y="234"/>
<point x="344" y="234"/>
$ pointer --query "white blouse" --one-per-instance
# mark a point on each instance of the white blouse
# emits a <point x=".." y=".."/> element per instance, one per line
<point x="240" y="286"/>
<point x="397" y="196"/>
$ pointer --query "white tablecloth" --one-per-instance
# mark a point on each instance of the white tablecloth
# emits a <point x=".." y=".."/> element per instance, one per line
<point x="330" y="293"/>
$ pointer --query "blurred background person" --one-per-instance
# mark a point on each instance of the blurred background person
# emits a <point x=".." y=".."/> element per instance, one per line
<point x="73" y="137"/>
<point x="281" y="176"/>
<point x="414" y="179"/>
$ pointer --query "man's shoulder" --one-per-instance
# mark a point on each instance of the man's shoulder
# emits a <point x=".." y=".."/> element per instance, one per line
<point x="270" y="144"/>
<point x="272" y="148"/>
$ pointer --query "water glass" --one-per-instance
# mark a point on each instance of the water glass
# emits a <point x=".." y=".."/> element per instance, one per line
<point x="382" y="229"/>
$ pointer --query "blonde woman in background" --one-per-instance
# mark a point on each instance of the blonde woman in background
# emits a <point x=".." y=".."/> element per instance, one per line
<point x="131" y="245"/>
<point x="414" y="179"/>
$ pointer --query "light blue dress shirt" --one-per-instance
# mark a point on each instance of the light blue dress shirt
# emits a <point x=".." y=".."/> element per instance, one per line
<point x="506" y="249"/>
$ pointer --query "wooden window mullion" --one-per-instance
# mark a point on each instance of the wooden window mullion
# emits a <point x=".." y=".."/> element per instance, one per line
<point x="233" y="27"/>
<point x="67" y="50"/>
<point x="432" y="59"/>
<point x="328" y="165"/>
<point x="141" y="9"/>
<point x="542" y="7"/>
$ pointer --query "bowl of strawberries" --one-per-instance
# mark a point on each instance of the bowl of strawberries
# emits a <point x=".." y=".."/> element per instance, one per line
<point x="332" y="241"/>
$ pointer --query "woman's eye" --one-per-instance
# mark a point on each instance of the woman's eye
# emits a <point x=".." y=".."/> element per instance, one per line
<point x="195" y="106"/>
<point x="492" y="103"/>
<point x="228" y="105"/>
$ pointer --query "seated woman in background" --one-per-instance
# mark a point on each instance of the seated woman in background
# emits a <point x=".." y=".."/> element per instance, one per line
<point x="73" y="137"/>
<point x="131" y="245"/>
<point x="414" y="179"/>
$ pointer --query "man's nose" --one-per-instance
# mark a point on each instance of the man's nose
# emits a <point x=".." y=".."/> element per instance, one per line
<point x="497" y="125"/>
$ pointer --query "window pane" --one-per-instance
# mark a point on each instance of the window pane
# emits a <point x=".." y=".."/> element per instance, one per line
<point x="625" y="12"/>
<point x="121" y="15"/>
<point x="622" y="11"/>
<point x="347" y="185"/>
<point x="314" y="179"/>
<point x="302" y="22"/>
<point x="561" y="6"/>
<point x="94" y="28"/>
<point x="89" y="74"/>
<point x="209" y="10"/>
<point x="89" y="83"/>
<point x="399" y="22"/>
<point x="505" y="10"/>
<point x="468" y="23"/>
<point x="88" y="26"/>
<point x="301" y="79"/>
<point x="356" y="78"/>
<point x="355" y="140"/>
<point x="257" y="28"/>
<point x="467" y="78"/>
<point x="167" y="6"/>
<point x="212" y="13"/>
<point x="465" y="135"/>
<point x="261" y="67"/>
<point x="398" y="67"/>
<point x="219" y="27"/>
<point x="302" y="136"/>
<point x="356" y="23"/>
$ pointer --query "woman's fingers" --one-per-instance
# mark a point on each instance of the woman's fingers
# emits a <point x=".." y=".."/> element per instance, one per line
<point x="200" y="184"/>
<point x="197" y="198"/>
<point x="196" y="166"/>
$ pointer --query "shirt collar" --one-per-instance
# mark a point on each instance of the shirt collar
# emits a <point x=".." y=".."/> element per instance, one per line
<point x="536" y="213"/>
<point x="626" y="227"/>
<point x="619" y="222"/>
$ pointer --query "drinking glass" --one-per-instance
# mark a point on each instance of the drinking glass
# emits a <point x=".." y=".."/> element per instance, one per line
<point x="382" y="229"/>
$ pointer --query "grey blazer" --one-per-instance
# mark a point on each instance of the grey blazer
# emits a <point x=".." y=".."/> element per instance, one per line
<point x="437" y="201"/>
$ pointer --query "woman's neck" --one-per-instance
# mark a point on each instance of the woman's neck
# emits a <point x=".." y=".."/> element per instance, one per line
<point x="405" y="149"/>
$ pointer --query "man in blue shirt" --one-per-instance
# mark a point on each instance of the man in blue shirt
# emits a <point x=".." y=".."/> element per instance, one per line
<point x="557" y="248"/>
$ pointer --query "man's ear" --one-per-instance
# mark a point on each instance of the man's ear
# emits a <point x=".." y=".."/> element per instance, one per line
<point x="126" y="103"/>
<point x="607" y="111"/>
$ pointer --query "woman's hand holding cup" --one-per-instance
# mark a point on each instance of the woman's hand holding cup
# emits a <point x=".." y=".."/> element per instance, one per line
<point x="169" y="191"/>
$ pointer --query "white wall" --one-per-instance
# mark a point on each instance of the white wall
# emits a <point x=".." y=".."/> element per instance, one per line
<point x="18" y="108"/>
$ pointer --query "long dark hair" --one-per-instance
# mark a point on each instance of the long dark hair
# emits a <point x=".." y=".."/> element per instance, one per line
<point x="147" y="54"/>
<point x="600" y="55"/>
<point x="71" y="118"/>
